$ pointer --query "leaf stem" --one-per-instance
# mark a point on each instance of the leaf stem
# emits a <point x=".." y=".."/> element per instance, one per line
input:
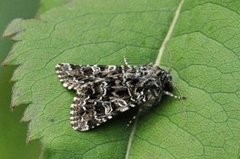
<point x="169" y="33"/>
<point x="132" y="134"/>
<point x="161" y="50"/>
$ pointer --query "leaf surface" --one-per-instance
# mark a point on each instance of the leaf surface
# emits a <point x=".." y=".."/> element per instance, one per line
<point x="203" y="53"/>
<point x="10" y="141"/>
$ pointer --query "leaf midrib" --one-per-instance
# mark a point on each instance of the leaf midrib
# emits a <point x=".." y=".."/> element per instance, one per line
<point x="157" y="63"/>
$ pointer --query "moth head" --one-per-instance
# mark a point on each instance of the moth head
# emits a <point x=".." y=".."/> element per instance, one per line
<point x="166" y="79"/>
<point x="168" y="84"/>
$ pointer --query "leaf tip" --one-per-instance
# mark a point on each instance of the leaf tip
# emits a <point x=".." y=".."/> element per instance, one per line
<point x="13" y="28"/>
<point x="5" y="62"/>
<point x="28" y="138"/>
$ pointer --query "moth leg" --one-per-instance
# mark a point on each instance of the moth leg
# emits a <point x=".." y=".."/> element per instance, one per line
<point x="130" y="121"/>
<point x="172" y="95"/>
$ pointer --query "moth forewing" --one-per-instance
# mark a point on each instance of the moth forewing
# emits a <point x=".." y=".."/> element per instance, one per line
<point x="104" y="91"/>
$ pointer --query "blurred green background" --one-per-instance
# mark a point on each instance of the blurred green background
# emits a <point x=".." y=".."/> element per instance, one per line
<point x="12" y="132"/>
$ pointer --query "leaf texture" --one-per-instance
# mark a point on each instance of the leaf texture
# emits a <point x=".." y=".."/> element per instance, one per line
<point x="203" y="53"/>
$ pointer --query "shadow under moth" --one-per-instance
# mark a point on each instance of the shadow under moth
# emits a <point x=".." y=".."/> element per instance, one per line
<point x="104" y="91"/>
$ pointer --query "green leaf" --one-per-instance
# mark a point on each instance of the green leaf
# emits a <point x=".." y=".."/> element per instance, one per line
<point x="49" y="4"/>
<point x="12" y="132"/>
<point x="203" y="51"/>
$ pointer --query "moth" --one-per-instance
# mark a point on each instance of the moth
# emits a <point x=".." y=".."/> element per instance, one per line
<point x="105" y="91"/>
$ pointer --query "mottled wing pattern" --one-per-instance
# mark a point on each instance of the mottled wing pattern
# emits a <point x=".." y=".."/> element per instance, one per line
<point x="103" y="91"/>
<point x="100" y="93"/>
<point x="74" y="76"/>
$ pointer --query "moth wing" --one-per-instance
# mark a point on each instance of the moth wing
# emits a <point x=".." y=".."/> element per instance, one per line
<point x="98" y="102"/>
<point x="100" y="95"/>
<point x="87" y="113"/>
<point x="70" y="75"/>
<point x="74" y="76"/>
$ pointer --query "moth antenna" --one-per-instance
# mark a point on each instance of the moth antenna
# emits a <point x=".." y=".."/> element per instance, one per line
<point x="178" y="92"/>
<point x="125" y="62"/>
<point x="151" y="63"/>
<point x="181" y="99"/>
